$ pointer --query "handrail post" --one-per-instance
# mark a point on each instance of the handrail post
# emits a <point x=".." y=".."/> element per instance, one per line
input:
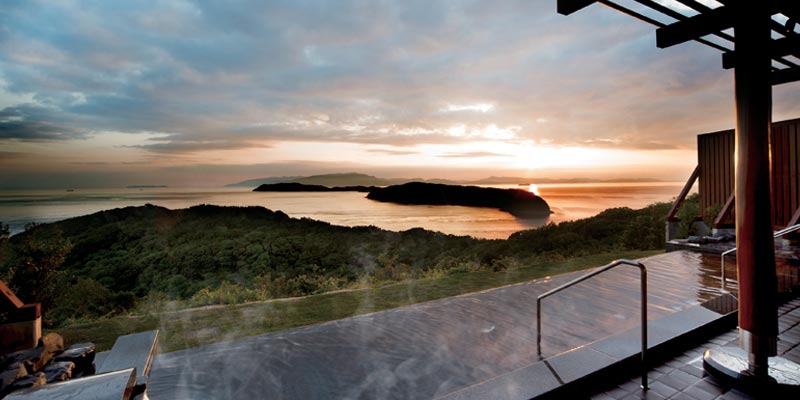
<point x="643" y="279"/>
<point x="723" y="289"/>
<point x="643" y="271"/>
<point x="539" y="327"/>
<point x="724" y="280"/>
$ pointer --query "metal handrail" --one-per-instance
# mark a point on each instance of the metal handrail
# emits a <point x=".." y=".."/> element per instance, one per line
<point x="776" y="234"/>
<point x="605" y="268"/>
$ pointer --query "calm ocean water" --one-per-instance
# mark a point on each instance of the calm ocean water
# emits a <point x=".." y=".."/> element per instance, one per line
<point x="568" y="201"/>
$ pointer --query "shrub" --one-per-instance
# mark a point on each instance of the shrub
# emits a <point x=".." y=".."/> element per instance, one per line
<point x="710" y="214"/>
<point x="226" y="293"/>
<point x="687" y="214"/>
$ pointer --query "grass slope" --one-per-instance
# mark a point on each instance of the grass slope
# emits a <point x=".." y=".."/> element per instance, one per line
<point x="187" y="328"/>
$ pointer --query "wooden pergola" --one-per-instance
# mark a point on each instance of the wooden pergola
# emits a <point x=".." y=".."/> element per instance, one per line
<point x="759" y="40"/>
<point x="680" y="21"/>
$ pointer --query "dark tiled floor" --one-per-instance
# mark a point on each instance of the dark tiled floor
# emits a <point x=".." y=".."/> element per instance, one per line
<point x="683" y="377"/>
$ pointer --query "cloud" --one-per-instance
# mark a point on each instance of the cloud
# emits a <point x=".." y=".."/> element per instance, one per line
<point x="179" y="143"/>
<point x="629" y="143"/>
<point x="393" y="152"/>
<point x="107" y="163"/>
<point x="206" y="76"/>
<point x="32" y="123"/>
<point x="473" y="154"/>
<point x="7" y="155"/>
<point x="480" y="107"/>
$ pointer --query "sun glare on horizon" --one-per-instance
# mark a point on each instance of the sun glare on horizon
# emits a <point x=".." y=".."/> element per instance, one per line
<point x="534" y="189"/>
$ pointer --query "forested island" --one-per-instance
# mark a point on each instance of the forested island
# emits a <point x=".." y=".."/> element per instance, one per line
<point x="108" y="262"/>
<point x="517" y="202"/>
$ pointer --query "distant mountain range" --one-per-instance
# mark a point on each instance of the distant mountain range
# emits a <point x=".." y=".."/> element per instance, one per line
<point x="357" y="179"/>
<point x="301" y="187"/>
<point x="261" y="181"/>
<point x="330" y="180"/>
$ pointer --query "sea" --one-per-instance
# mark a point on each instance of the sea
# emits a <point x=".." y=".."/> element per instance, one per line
<point x="568" y="201"/>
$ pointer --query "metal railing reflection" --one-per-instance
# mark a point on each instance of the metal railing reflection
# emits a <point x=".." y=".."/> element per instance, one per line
<point x="776" y="234"/>
<point x="643" y="271"/>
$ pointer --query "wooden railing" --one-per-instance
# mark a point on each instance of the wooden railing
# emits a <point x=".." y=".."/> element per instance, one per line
<point x="681" y="197"/>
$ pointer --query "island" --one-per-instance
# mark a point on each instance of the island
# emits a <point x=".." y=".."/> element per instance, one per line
<point x="300" y="187"/>
<point x="146" y="186"/>
<point x="517" y="202"/>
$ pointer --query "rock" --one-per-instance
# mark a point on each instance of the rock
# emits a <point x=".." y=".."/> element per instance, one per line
<point x="52" y="342"/>
<point x="37" y="358"/>
<point x="37" y="379"/>
<point x="11" y="373"/>
<point x="82" y="355"/>
<point x="59" y="371"/>
<point x="50" y="345"/>
<point x="18" y="357"/>
<point x="29" y="358"/>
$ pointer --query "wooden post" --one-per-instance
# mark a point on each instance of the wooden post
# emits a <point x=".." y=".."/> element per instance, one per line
<point x="682" y="196"/>
<point x="726" y="209"/>
<point x="755" y="258"/>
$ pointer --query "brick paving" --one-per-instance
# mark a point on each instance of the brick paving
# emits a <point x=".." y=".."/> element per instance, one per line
<point x="683" y="377"/>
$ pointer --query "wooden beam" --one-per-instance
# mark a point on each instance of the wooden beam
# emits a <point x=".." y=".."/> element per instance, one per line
<point x="789" y="8"/>
<point x="778" y="48"/>
<point x="8" y="300"/>
<point x="728" y="60"/>
<point x="785" y="46"/>
<point x="662" y="9"/>
<point x="786" y="75"/>
<point x="630" y="12"/>
<point x="686" y="187"/>
<point x="695" y="27"/>
<point x="567" y="7"/>
<point x="694" y="5"/>
<point x="658" y="24"/>
<point x="726" y="209"/>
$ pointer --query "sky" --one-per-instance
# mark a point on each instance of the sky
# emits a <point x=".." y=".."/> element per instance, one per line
<point x="204" y="93"/>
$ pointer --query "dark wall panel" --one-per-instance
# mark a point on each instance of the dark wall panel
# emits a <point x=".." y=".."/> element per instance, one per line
<point x="716" y="158"/>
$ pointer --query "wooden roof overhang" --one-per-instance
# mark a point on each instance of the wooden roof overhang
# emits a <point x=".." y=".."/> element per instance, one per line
<point x="759" y="40"/>
<point x="710" y="22"/>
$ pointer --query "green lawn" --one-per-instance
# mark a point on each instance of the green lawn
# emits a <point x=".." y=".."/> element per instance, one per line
<point x="182" y="329"/>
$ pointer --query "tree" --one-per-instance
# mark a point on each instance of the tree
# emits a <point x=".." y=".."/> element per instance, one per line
<point x="5" y="233"/>
<point x="35" y="268"/>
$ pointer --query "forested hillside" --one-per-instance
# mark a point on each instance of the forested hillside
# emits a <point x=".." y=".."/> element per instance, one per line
<point x="104" y="263"/>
